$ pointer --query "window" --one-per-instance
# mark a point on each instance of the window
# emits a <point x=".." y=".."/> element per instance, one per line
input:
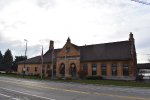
<point x="85" y="69"/>
<point x="48" y="67"/>
<point x="103" y="66"/>
<point x="62" y="69"/>
<point x="28" y="69"/>
<point x="35" y="69"/>
<point x="125" y="70"/>
<point x="114" y="69"/>
<point x="94" y="69"/>
<point x="48" y="71"/>
<point x="68" y="49"/>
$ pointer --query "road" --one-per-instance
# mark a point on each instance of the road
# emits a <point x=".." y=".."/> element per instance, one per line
<point x="24" y="89"/>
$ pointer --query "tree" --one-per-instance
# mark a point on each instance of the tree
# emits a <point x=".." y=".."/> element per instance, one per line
<point x="17" y="59"/>
<point x="1" y="57"/>
<point x="8" y="60"/>
<point x="1" y="61"/>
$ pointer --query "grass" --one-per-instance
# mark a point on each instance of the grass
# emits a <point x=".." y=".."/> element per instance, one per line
<point x="97" y="82"/>
<point x="19" y="76"/>
<point x="114" y="82"/>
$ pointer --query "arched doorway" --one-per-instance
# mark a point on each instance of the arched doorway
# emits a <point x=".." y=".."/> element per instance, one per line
<point x="72" y="70"/>
<point x="62" y="69"/>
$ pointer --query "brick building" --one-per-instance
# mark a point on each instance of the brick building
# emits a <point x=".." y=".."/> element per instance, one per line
<point x="114" y="60"/>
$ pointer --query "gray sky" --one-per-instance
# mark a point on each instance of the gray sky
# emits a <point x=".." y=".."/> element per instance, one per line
<point x="84" y="21"/>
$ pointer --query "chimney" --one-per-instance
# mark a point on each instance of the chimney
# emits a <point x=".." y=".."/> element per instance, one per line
<point x="133" y="54"/>
<point x="51" y="45"/>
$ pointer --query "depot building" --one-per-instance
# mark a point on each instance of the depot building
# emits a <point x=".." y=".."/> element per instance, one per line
<point x="113" y="60"/>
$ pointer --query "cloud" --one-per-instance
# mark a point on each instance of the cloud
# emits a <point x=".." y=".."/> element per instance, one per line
<point x="4" y="3"/>
<point x="46" y="3"/>
<point x="84" y="21"/>
<point x="18" y="47"/>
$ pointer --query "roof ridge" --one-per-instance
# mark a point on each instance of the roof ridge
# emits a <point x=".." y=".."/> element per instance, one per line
<point x="104" y="43"/>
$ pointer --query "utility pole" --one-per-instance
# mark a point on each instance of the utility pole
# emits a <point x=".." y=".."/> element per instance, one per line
<point x="24" y="69"/>
<point x="42" y="63"/>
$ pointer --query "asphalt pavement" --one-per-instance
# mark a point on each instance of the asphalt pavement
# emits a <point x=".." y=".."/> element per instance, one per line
<point x="27" y="89"/>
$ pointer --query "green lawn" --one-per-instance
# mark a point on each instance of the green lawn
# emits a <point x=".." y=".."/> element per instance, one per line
<point x="113" y="82"/>
<point x="97" y="82"/>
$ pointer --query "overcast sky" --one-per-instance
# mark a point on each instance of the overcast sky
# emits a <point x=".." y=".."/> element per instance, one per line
<point x="84" y="21"/>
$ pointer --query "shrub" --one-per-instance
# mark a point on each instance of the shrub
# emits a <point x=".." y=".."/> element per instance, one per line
<point x="82" y="74"/>
<point x="139" y="77"/>
<point x="59" y="78"/>
<point x="37" y="75"/>
<point x="69" y="77"/>
<point x="94" y="77"/>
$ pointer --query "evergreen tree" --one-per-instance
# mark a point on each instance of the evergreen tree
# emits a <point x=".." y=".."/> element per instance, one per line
<point x="1" y="60"/>
<point x="8" y="60"/>
<point x="1" y="57"/>
<point x="17" y="59"/>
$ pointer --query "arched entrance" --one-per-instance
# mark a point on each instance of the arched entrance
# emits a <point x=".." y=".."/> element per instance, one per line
<point x="72" y="70"/>
<point x="62" y="69"/>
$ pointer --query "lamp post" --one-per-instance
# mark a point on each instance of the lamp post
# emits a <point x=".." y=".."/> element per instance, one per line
<point x="24" y="70"/>
<point x="42" y="69"/>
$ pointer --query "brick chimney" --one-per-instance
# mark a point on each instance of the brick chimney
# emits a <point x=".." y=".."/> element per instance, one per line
<point x="51" y="45"/>
<point x="133" y="54"/>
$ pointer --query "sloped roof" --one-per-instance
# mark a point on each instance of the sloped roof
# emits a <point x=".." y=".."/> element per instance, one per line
<point x="75" y="46"/>
<point x="143" y="66"/>
<point x="47" y="58"/>
<point x="32" y="60"/>
<point x="107" y="51"/>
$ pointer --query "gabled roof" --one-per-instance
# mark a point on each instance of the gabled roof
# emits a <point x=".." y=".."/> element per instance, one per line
<point x="75" y="46"/>
<point x="107" y="51"/>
